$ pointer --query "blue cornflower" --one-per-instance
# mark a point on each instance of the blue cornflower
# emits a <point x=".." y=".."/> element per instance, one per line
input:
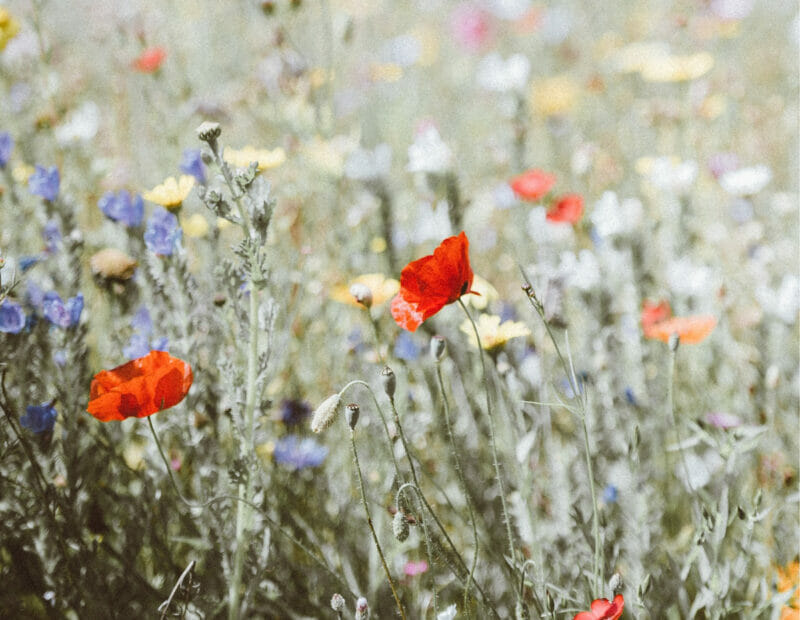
<point x="12" y="317"/>
<point x="192" y="163"/>
<point x="62" y="314"/>
<point x="163" y="232"/>
<point x="39" y="418"/>
<point x="405" y="348"/>
<point x="140" y="344"/>
<point x="630" y="397"/>
<point x="6" y="146"/>
<point x="610" y="494"/>
<point x="26" y="262"/>
<point x="122" y="207"/>
<point x="51" y="233"/>
<point x="34" y="295"/>
<point x="45" y="182"/>
<point x="141" y="321"/>
<point x="296" y="453"/>
<point x="294" y="411"/>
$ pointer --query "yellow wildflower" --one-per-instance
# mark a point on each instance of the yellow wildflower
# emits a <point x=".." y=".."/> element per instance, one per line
<point x="486" y="293"/>
<point x="670" y="68"/>
<point x="22" y="172"/>
<point x="195" y="225"/>
<point x="9" y="27"/>
<point x="328" y="156"/>
<point x="387" y="72"/>
<point x="377" y="245"/>
<point x="554" y="96"/>
<point x="381" y="287"/>
<point x="493" y="333"/>
<point x="266" y="159"/>
<point x="172" y="192"/>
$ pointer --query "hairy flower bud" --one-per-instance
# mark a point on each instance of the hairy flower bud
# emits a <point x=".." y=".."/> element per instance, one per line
<point x="337" y="602"/>
<point x="615" y="583"/>
<point x="352" y="411"/>
<point x="400" y="526"/>
<point x="389" y="381"/>
<point x="325" y="414"/>
<point x="438" y="347"/>
<point x="208" y="131"/>
<point x="361" y="293"/>
<point x="362" y="609"/>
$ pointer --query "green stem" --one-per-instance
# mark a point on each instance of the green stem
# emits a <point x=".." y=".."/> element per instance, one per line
<point x="463" y="482"/>
<point x="671" y="409"/>
<point x="492" y="438"/>
<point x="428" y="545"/>
<point x="371" y="527"/>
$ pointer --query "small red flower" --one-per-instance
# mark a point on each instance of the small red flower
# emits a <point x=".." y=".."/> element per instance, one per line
<point x="690" y="329"/>
<point x="603" y="610"/>
<point x="430" y="283"/>
<point x="654" y="313"/>
<point x="150" y="60"/>
<point x="140" y="388"/>
<point x="533" y="184"/>
<point x="568" y="209"/>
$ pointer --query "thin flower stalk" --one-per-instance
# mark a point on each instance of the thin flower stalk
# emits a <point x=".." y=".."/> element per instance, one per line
<point x="671" y="410"/>
<point x="428" y="546"/>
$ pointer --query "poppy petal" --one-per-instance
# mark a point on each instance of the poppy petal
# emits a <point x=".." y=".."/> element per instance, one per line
<point x="406" y="314"/>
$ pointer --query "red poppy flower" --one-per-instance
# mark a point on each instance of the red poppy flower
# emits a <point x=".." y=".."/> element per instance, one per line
<point x="568" y="209"/>
<point x="603" y="610"/>
<point x="654" y="313"/>
<point x="140" y="388"/>
<point x="690" y="329"/>
<point x="533" y="184"/>
<point x="430" y="283"/>
<point x="150" y="60"/>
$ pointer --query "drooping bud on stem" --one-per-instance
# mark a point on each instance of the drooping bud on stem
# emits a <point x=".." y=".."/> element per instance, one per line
<point x="352" y="411"/>
<point x="326" y="413"/>
<point x="362" y="609"/>
<point x="438" y="347"/>
<point x="361" y="294"/>
<point x="337" y="602"/>
<point x="389" y="381"/>
<point x="400" y="526"/>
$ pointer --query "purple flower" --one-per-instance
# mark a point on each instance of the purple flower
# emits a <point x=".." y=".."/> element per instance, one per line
<point x="45" y="182"/>
<point x="610" y="494"/>
<point x="6" y="146"/>
<point x="293" y="411"/>
<point x="405" y="348"/>
<point x="62" y="314"/>
<point x="34" y="296"/>
<point x="26" y="262"/>
<point x="192" y="163"/>
<point x="122" y="207"/>
<point x="141" y="321"/>
<point x="163" y="232"/>
<point x="12" y="317"/>
<point x="723" y="420"/>
<point x="296" y="453"/>
<point x="140" y="344"/>
<point x="60" y="358"/>
<point x="39" y="418"/>
<point x="51" y="233"/>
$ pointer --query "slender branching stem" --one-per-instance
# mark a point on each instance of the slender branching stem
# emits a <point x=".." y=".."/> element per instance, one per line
<point x="371" y="527"/>
<point x="428" y="545"/>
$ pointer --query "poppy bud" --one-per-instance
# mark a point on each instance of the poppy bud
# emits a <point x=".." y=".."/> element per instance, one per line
<point x="438" y="346"/>
<point x="209" y="131"/>
<point x="337" y="602"/>
<point x="615" y="583"/>
<point x="389" y="381"/>
<point x="361" y="294"/>
<point x="325" y="414"/>
<point x="112" y="264"/>
<point x="400" y="526"/>
<point x="551" y="603"/>
<point x="362" y="609"/>
<point x="352" y="411"/>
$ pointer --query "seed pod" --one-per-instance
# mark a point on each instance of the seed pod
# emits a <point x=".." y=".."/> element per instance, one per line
<point x="362" y="609"/>
<point x="389" y="381"/>
<point x="337" y="602"/>
<point x="400" y="526"/>
<point x="352" y="411"/>
<point x="438" y="346"/>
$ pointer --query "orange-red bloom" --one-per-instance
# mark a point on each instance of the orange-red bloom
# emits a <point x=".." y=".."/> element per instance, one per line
<point x="603" y="610"/>
<point x="140" y="388"/>
<point x="150" y="60"/>
<point x="427" y="285"/>
<point x="568" y="209"/>
<point x="654" y="313"/>
<point x="533" y="184"/>
<point x="690" y="329"/>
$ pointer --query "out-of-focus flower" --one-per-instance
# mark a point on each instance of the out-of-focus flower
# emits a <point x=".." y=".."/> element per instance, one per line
<point x="581" y="271"/>
<point x="172" y="192"/>
<point x="484" y="293"/>
<point x="365" y="164"/>
<point x="610" y="494"/>
<point x="328" y="156"/>
<point x="196" y="225"/>
<point x="150" y="60"/>
<point x="122" y="207"/>
<point x="509" y="9"/>
<point x="62" y="314"/>
<point x="611" y="218"/>
<point x="722" y="420"/>
<point x="555" y="24"/>
<point x="555" y="96"/>
<point x="653" y="313"/>
<point x="293" y="412"/>
<point x="687" y="278"/>
<point x="9" y="27"/>
<point x="533" y="184"/>
<point x="112" y="264"/>
<point x="39" y="418"/>
<point x="22" y="172"/>
<point x="449" y="613"/>
<point x="12" y="317"/>
<point x="783" y="302"/>
<point x="163" y="232"/>
<point x="746" y="181"/>
<point x="470" y="27"/>
<point x="139" y="388"/>
<point x="671" y="68"/>
<point x="266" y="159"/>
<point x="690" y="329"/>
<point x="788" y="578"/>
<point x="6" y="146"/>
<point x="387" y="72"/>
<point x="721" y="163"/>
<point x="80" y="126"/>
<point x="732" y="9"/>
<point x="412" y="569"/>
<point x="669" y="174"/>
<point x="429" y="153"/>
<point x="45" y="182"/>
<point x="141" y="343"/>
<point x="192" y="164"/>
<point x="296" y="453"/>
<point x="568" y="209"/>
<point x="405" y="348"/>
<point x="494" y="333"/>
<point x="51" y="235"/>
<point x="381" y="288"/>
<point x="601" y="609"/>
<point x="431" y="282"/>
<point x="495" y="74"/>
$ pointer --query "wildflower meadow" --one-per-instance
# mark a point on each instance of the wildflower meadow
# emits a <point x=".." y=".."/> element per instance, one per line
<point x="418" y="309"/>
